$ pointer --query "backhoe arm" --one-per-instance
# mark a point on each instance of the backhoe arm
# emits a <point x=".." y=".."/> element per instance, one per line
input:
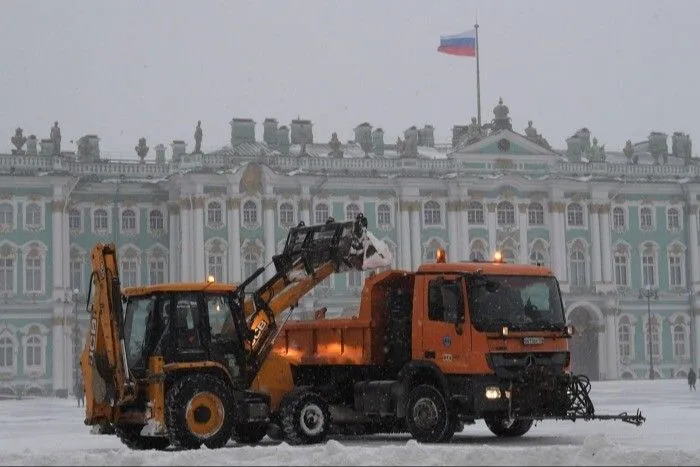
<point x="103" y="361"/>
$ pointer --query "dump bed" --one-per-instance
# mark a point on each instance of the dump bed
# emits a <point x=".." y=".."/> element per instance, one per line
<point x="355" y="340"/>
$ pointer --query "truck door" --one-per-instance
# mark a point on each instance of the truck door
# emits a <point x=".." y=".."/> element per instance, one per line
<point x="444" y="332"/>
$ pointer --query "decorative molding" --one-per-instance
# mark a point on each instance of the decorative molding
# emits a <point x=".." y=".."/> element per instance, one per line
<point x="233" y="202"/>
<point x="522" y="207"/>
<point x="305" y="204"/>
<point x="57" y="205"/>
<point x="269" y="203"/>
<point x="491" y="207"/>
<point x="557" y="206"/>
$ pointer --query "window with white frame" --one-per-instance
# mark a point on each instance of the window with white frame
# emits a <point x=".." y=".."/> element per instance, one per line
<point x="577" y="266"/>
<point x="33" y="351"/>
<point x="625" y="333"/>
<point x="477" y="251"/>
<point x="250" y="212"/>
<point x="619" y="221"/>
<point x="509" y="256"/>
<point x="251" y="262"/>
<point x="76" y="273"/>
<point x="33" y="215"/>
<point x="680" y="347"/>
<point x="535" y="214"/>
<point x="156" y="271"/>
<point x="648" y="268"/>
<point x="646" y="218"/>
<point x="431" y="250"/>
<point x="74" y="220"/>
<point x="7" y="275"/>
<point x="673" y="219"/>
<point x="675" y="269"/>
<point x="129" y="273"/>
<point x="286" y="214"/>
<point x="384" y="215"/>
<point x="100" y="220"/>
<point x="215" y="266"/>
<point x="6" y="214"/>
<point x="33" y="280"/>
<point x="574" y="215"/>
<point x="432" y="214"/>
<point x="215" y="216"/>
<point x="355" y="279"/>
<point x="156" y="220"/>
<point x="537" y="258"/>
<point x="351" y="211"/>
<point x="505" y="213"/>
<point x="321" y="213"/>
<point x="475" y="213"/>
<point x="7" y="353"/>
<point x="655" y="338"/>
<point x="621" y="266"/>
<point x="129" y="221"/>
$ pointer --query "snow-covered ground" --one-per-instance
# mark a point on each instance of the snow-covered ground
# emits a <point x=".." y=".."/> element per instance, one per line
<point x="51" y="432"/>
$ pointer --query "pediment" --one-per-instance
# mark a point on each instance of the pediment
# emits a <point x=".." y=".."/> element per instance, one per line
<point x="503" y="143"/>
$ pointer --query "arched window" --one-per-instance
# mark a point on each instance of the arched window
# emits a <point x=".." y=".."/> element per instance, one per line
<point x="475" y="213"/>
<point x="679" y="347"/>
<point x="509" y="256"/>
<point x="351" y="211"/>
<point x="535" y="214"/>
<point x="7" y="353"/>
<point x="100" y="221"/>
<point x="537" y="258"/>
<point x="646" y="218"/>
<point x="431" y="250"/>
<point x="574" y="215"/>
<point x="74" y="219"/>
<point x="286" y="214"/>
<point x="655" y="338"/>
<point x="128" y="220"/>
<point x="33" y="212"/>
<point x="621" y="265"/>
<point x="505" y="213"/>
<point x="6" y="214"/>
<point x="674" y="219"/>
<point x="34" y="282"/>
<point x="383" y="215"/>
<point x="250" y="212"/>
<point x="477" y="251"/>
<point x="626" y="339"/>
<point x="322" y="213"/>
<point x="33" y="351"/>
<point x="649" y="265"/>
<point x="619" y="222"/>
<point x="577" y="265"/>
<point x="215" y="216"/>
<point x="155" y="220"/>
<point x="432" y="213"/>
<point x="251" y="262"/>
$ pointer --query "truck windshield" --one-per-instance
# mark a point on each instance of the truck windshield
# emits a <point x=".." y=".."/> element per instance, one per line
<point x="527" y="303"/>
<point x="136" y="321"/>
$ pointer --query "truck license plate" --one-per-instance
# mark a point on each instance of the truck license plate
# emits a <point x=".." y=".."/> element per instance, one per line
<point x="533" y="340"/>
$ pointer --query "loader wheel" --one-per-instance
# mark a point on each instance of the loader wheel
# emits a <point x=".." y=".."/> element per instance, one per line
<point x="200" y="410"/>
<point x="249" y="433"/>
<point x="501" y="426"/>
<point x="130" y="435"/>
<point x="305" y="417"/>
<point x="427" y="417"/>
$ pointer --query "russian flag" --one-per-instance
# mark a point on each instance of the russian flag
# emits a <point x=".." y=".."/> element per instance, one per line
<point x="463" y="44"/>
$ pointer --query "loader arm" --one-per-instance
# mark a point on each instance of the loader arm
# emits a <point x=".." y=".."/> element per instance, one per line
<point x="106" y="377"/>
<point x="311" y="254"/>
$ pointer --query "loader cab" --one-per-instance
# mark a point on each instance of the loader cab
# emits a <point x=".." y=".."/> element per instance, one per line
<point x="183" y="325"/>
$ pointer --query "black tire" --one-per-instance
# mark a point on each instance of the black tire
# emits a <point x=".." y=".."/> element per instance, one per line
<point x="427" y="416"/>
<point x="305" y="417"/>
<point x="501" y="426"/>
<point x="130" y="435"/>
<point x="200" y="410"/>
<point x="249" y="433"/>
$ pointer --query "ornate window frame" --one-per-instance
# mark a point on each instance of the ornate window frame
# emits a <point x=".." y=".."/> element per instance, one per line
<point x="34" y="249"/>
<point x="11" y="250"/>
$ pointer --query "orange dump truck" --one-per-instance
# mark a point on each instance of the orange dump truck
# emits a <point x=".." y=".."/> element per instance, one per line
<point x="438" y="348"/>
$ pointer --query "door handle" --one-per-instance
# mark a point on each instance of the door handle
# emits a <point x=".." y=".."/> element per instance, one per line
<point x="429" y="354"/>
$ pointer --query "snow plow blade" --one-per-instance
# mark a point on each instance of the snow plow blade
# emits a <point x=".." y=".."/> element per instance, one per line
<point x="582" y="406"/>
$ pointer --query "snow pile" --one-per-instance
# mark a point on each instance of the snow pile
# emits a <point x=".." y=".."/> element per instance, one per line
<point x="51" y="432"/>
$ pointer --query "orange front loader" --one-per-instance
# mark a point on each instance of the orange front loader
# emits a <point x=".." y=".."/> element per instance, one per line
<point x="431" y="350"/>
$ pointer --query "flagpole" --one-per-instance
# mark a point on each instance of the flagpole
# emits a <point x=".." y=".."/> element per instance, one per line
<point x="478" y="84"/>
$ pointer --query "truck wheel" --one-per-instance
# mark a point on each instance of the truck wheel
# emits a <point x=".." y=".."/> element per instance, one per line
<point x="501" y="426"/>
<point x="199" y="410"/>
<point x="427" y="416"/>
<point x="249" y="433"/>
<point x="130" y="435"/>
<point x="305" y="417"/>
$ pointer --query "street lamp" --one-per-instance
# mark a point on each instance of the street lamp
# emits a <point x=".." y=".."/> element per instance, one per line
<point x="647" y="293"/>
<point x="76" y="341"/>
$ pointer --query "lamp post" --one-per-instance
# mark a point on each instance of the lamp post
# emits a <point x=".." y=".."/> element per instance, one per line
<point x="647" y="293"/>
<point x="76" y="340"/>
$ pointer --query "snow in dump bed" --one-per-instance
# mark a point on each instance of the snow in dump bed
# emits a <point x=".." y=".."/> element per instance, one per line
<point x="51" y="432"/>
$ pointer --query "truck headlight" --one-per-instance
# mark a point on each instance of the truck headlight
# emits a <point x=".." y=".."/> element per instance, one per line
<point x="493" y="392"/>
<point x="504" y="331"/>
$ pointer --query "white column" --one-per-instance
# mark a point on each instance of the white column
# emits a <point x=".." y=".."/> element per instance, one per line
<point x="558" y="243"/>
<point x="694" y="258"/>
<point x="56" y="249"/>
<point x="606" y="261"/>
<point x="198" y="244"/>
<point x="522" y="230"/>
<point x="305" y="209"/>
<point x="57" y="353"/>
<point x="269" y="205"/>
<point x="233" y="222"/>
<point x="611" y="344"/>
<point x="186" y="262"/>
<point x="453" y="230"/>
<point x="404" y="247"/>
<point x="602" y="362"/>
<point x="696" y="341"/>
<point x="491" y="225"/>
<point x="595" y="243"/>
<point x="415" y="235"/>
<point x="463" y="232"/>
<point x="175" y="249"/>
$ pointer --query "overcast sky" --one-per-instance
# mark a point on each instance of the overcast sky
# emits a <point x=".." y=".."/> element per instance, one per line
<point x="124" y="69"/>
